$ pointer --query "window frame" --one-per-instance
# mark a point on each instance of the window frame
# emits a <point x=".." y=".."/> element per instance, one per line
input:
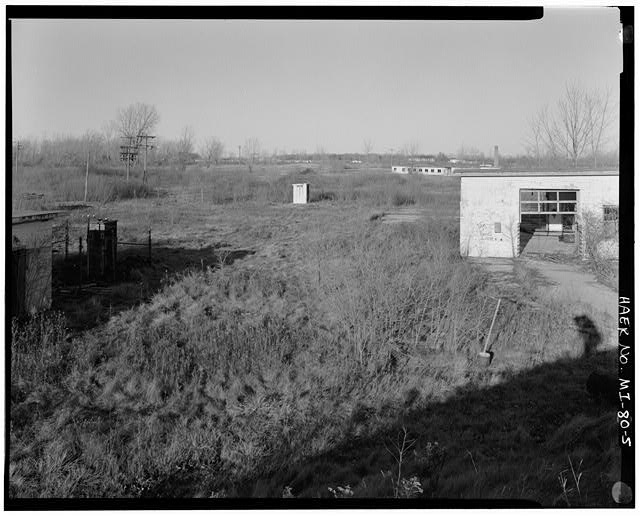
<point x="546" y="206"/>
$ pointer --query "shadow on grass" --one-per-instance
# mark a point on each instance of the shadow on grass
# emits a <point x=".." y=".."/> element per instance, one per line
<point x="89" y="302"/>
<point x="507" y="442"/>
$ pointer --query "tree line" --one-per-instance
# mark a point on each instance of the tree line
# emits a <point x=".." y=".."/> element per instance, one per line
<point x="103" y="147"/>
<point x="575" y="130"/>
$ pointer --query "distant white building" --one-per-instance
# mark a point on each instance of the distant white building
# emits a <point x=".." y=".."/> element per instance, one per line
<point x="422" y="169"/>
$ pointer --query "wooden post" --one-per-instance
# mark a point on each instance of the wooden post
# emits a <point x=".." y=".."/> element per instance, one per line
<point x="102" y="253"/>
<point x="486" y="342"/>
<point x="86" y="179"/>
<point x="149" y="244"/>
<point x="144" y="168"/>
<point x="66" y="241"/>
<point x="113" y="258"/>
<point x="80" y="267"/>
<point x="88" y="219"/>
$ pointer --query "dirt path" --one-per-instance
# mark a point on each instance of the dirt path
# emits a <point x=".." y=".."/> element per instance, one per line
<point x="571" y="282"/>
<point x="582" y="292"/>
<point x="578" y="290"/>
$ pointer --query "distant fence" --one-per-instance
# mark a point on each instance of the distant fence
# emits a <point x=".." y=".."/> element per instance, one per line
<point x="81" y="259"/>
<point x="63" y="243"/>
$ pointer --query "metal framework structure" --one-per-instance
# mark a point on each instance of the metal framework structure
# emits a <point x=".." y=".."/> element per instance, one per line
<point x="130" y="151"/>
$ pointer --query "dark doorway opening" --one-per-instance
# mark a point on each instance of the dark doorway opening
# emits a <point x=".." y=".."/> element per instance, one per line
<point x="548" y="221"/>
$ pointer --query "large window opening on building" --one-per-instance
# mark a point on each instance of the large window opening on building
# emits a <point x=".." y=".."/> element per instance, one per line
<point x="547" y="217"/>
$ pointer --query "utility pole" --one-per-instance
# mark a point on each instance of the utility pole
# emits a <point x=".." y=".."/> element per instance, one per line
<point x="18" y="147"/>
<point x="238" y="153"/>
<point x="128" y="152"/>
<point x="86" y="179"/>
<point x="146" y="138"/>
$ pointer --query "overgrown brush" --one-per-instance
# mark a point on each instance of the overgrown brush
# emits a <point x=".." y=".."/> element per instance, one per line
<point x="601" y="243"/>
<point x="68" y="184"/>
<point x="223" y="185"/>
<point x="231" y="375"/>
<point x="408" y="289"/>
<point x="39" y="348"/>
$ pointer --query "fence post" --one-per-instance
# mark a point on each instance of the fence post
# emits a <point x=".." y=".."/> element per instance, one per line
<point x="113" y="258"/>
<point x="66" y="241"/>
<point x="88" y="255"/>
<point x="149" y="244"/>
<point x="80" y="267"/>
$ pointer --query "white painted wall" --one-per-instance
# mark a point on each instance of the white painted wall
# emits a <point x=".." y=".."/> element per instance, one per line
<point x="485" y="201"/>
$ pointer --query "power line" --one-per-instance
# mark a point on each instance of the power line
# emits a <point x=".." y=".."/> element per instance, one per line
<point x="130" y="151"/>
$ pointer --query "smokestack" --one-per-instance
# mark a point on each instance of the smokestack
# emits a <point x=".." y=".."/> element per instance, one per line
<point x="496" y="156"/>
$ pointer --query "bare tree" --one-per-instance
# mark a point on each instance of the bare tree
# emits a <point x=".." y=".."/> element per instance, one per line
<point x="548" y="132"/>
<point x="469" y="153"/>
<point x="212" y="151"/>
<point x="137" y="119"/>
<point x="534" y="139"/>
<point x="368" y="147"/>
<point x="251" y="149"/>
<point x="573" y="125"/>
<point x="92" y="143"/>
<point x="410" y="150"/>
<point x="598" y="105"/>
<point x="185" y="146"/>
<point x="110" y="137"/>
<point x="321" y="155"/>
<point x="133" y="122"/>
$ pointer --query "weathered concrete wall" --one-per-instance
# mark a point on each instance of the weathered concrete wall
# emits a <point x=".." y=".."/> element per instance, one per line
<point x="31" y="266"/>
<point x="488" y="201"/>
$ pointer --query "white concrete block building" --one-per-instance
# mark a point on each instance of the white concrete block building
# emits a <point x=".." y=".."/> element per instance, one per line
<point x="502" y="211"/>
<point x="422" y="169"/>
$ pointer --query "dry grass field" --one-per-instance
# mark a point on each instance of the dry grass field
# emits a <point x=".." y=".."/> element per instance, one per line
<point x="274" y="350"/>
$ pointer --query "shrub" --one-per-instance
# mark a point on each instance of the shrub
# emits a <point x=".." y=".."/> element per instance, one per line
<point x="38" y="348"/>
<point x="402" y="199"/>
<point x="131" y="189"/>
<point x="600" y="236"/>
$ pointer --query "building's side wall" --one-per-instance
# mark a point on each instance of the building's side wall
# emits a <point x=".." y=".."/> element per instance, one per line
<point x="31" y="243"/>
<point x="37" y="292"/>
<point x="444" y="171"/>
<point x="487" y="201"/>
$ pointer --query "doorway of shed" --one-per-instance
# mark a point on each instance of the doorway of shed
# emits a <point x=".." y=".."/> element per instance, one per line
<point x="548" y="221"/>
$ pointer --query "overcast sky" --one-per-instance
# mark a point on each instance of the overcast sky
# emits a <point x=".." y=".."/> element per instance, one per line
<point x="306" y="84"/>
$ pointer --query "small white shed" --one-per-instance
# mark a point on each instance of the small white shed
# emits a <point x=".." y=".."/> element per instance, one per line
<point x="301" y="193"/>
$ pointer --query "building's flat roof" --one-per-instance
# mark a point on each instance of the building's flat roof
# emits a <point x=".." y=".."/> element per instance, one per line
<point x="476" y="172"/>
<point x="20" y="217"/>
